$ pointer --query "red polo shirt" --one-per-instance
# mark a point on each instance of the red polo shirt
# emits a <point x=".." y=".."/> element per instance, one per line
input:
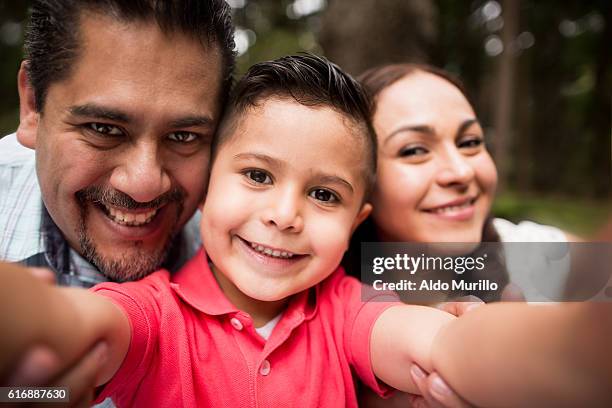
<point x="191" y="347"/>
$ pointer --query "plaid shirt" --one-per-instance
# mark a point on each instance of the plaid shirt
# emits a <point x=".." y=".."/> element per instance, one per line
<point x="29" y="236"/>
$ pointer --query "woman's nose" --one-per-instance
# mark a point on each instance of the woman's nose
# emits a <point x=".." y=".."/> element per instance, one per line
<point x="456" y="169"/>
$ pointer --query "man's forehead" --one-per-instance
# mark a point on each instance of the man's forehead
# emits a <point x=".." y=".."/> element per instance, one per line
<point x="134" y="71"/>
<point x="96" y="28"/>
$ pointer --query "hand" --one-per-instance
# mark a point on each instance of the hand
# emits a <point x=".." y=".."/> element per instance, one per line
<point x="512" y="293"/>
<point x="461" y="305"/>
<point x="435" y="392"/>
<point x="41" y="367"/>
<point x="44" y="274"/>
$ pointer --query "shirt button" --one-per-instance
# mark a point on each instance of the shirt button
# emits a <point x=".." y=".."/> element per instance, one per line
<point x="265" y="368"/>
<point x="236" y="324"/>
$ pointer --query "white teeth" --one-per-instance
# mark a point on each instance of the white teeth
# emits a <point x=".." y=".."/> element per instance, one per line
<point x="130" y="219"/>
<point x="452" y="208"/>
<point x="274" y="253"/>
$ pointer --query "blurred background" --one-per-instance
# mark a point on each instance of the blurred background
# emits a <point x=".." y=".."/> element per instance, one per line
<point x="538" y="72"/>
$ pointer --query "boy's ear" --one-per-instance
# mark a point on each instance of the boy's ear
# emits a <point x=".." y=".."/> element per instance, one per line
<point x="28" y="115"/>
<point x="366" y="209"/>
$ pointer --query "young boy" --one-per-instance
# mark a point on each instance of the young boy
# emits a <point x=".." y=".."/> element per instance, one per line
<point x="263" y="316"/>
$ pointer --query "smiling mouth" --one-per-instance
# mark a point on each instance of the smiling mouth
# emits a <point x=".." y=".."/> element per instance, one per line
<point x="271" y="252"/>
<point x="449" y="209"/>
<point x="127" y="218"/>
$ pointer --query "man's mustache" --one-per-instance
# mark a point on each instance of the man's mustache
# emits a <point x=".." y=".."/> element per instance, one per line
<point x="115" y="198"/>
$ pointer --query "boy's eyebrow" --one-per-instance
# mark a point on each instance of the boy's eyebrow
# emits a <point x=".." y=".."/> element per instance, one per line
<point x="278" y="164"/>
<point x="271" y="161"/>
<point x="331" y="179"/>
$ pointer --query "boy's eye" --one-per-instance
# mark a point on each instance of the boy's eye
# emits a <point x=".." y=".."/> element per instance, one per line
<point x="105" y="129"/>
<point x="182" y="137"/>
<point x="326" y="196"/>
<point x="410" y="151"/>
<point x="258" y="176"/>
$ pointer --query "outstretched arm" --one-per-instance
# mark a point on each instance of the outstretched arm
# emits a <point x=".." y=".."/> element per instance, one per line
<point x="502" y="354"/>
<point x="67" y="320"/>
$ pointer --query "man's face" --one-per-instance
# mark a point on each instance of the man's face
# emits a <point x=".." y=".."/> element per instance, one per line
<point x="123" y="144"/>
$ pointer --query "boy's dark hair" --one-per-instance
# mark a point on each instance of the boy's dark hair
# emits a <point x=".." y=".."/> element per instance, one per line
<point x="311" y="81"/>
<point x="52" y="37"/>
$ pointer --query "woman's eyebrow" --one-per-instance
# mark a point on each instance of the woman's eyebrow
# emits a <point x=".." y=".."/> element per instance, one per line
<point x="412" y="128"/>
<point x="465" y="126"/>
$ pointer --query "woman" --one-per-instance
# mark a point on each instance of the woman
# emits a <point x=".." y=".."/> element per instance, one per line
<point x="436" y="180"/>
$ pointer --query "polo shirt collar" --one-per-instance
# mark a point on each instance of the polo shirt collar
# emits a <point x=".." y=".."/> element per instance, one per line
<point x="197" y="286"/>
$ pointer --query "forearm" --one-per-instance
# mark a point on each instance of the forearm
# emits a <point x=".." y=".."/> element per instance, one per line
<point x="28" y="309"/>
<point x="67" y="320"/>
<point x="520" y="355"/>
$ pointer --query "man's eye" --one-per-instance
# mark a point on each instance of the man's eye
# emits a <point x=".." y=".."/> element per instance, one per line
<point x="105" y="129"/>
<point x="410" y="151"/>
<point x="258" y="177"/>
<point x="323" y="195"/>
<point x="182" y="137"/>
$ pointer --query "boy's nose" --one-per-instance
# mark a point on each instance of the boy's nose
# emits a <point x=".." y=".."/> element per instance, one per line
<point x="141" y="175"/>
<point x="285" y="213"/>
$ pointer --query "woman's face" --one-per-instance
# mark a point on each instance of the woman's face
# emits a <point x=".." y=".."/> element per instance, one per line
<point x="436" y="180"/>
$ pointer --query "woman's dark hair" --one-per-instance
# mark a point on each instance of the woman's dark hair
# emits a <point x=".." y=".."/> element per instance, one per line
<point x="52" y="37"/>
<point x="374" y="81"/>
<point x="309" y="80"/>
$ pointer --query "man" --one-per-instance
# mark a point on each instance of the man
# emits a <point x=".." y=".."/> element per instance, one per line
<point x="120" y="100"/>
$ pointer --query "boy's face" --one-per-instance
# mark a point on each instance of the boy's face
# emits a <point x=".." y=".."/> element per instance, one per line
<point x="285" y="194"/>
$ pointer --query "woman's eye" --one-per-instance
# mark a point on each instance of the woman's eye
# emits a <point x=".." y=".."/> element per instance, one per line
<point x="326" y="196"/>
<point x="182" y="137"/>
<point x="105" y="129"/>
<point x="471" y="143"/>
<point x="410" y="151"/>
<point x="258" y="177"/>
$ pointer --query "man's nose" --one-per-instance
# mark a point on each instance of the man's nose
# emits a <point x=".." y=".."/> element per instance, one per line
<point x="456" y="169"/>
<point x="141" y="173"/>
<point x="285" y="211"/>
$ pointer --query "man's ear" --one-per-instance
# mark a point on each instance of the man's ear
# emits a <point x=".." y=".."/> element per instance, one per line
<point x="28" y="115"/>
<point x="366" y="209"/>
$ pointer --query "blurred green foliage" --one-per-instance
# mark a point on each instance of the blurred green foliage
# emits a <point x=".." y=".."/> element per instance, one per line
<point x="561" y="141"/>
<point x="578" y="216"/>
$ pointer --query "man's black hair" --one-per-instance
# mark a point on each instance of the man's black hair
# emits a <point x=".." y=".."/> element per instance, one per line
<point x="311" y="81"/>
<point x="52" y="37"/>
